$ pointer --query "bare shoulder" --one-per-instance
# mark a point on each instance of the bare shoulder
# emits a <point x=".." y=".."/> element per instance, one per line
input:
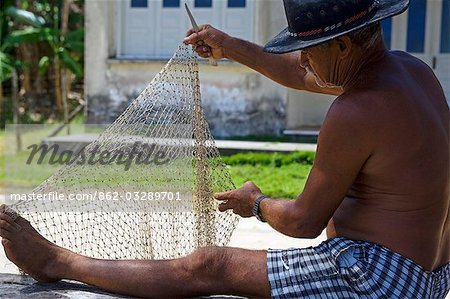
<point x="412" y="62"/>
<point x="354" y="107"/>
<point x="351" y="117"/>
<point x="417" y="81"/>
<point x="407" y="57"/>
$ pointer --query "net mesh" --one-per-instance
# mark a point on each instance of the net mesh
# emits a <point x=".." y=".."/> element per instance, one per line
<point x="156" y="201"/>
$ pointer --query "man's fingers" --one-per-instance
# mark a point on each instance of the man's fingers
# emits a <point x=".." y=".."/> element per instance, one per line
<point x="198" y="48"/>
<point x="192" y="38"/>
<point x="224" y="195"/>
<point x="226" y="205"/>
<point x="202" y="49"/>
<point x="196" y="38"/>
<point x="204" y="55"/>
<point x="200" y="41"/>
<point x="190" y="32"/>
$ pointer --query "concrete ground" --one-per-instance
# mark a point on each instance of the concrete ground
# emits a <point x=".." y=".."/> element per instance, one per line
<point x="228" y="146"/>
<point x="250" y="234"/>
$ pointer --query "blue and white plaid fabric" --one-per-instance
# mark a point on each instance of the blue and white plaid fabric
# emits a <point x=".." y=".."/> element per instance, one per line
<point x="342" y="268"/>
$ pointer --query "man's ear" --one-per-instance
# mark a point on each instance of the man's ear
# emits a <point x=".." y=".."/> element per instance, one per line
<point x="345" y="46"/>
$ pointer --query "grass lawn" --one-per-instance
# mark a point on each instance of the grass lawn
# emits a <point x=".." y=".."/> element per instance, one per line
<point x="286" y="181"/>
<point x="278" y="175"/>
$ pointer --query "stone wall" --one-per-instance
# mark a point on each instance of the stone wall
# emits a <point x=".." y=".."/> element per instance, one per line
<point x="236" y="100"/>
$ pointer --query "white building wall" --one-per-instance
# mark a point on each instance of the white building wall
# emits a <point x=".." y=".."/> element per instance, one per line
<point x="237" y="101"/>
<point x="97" y="44"/>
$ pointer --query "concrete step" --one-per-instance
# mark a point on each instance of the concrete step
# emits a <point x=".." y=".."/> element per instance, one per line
<point x="78" y="141"/>
<point x="303" y="134"/>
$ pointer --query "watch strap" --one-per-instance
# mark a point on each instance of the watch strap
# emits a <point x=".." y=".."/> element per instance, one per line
<point x="256" y="209"/>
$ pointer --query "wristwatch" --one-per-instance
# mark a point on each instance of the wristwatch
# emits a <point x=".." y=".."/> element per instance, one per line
<point x="256" y="211"/>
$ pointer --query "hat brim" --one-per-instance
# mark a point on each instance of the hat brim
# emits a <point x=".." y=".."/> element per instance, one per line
<point x="284" y="43"/>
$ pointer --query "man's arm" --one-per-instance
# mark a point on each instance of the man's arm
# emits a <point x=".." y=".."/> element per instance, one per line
<point x="282" y="68"/>
<point x="345" y="144"/>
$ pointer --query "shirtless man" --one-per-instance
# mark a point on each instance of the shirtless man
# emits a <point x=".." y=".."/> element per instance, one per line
<point x="379" y="183"/>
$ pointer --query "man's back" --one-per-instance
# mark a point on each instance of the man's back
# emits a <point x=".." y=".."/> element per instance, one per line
<point x="400" y="198"/>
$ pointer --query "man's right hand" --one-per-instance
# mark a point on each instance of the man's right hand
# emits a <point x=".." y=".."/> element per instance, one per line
<point x="208" y="42"/>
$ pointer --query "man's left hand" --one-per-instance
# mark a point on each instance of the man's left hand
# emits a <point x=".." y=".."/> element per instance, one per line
<point x="241" y="200"/>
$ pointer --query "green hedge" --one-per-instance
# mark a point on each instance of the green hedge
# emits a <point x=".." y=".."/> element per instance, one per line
<point x="270" y="159"/>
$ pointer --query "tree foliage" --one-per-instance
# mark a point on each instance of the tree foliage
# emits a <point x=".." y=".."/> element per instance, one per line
<point x="37" y="42"/>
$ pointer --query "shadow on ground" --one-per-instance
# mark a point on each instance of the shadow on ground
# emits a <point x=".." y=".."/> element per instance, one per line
<point x="17" y="287"/>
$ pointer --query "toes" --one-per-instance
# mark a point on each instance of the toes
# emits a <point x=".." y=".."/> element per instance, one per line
<point x="5" y="234"/>
<point x="6" y="222"/>
<point x="11" y="213"/>
<point x="6" y="243"/>
<point x="8" y="226"/>
<point x="22" y="222"/>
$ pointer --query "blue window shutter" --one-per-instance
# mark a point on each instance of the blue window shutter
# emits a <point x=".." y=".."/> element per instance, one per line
<point x="236" y="3"/>
<point x="387" y="32"/>
<point x="203" y="3"/>
<point x="139" y="3"/>
<point x="445" y="27"/>
<point x="415" y="41"/>
<point x="171" y="3"/>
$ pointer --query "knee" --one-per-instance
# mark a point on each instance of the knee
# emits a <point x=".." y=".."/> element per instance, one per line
<point x="207" y="261"/>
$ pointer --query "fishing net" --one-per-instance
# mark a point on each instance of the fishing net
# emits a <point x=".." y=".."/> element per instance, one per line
<point x="143" y="189"/>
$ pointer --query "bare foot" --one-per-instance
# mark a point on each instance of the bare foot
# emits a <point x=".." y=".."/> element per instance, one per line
<point x="28" y="250"/>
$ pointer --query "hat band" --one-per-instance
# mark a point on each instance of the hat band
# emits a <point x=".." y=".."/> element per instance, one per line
<point x="337" y="25"/>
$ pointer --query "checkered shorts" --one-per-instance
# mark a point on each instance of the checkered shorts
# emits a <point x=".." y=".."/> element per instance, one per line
<point x="342" y="268"/>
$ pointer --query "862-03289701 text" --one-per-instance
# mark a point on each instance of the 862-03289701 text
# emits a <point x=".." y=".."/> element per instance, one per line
<point x="99" y="195"/>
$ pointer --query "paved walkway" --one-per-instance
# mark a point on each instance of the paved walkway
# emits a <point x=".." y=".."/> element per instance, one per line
<point x="250" y="233"/>
<point x="223" y="145"/>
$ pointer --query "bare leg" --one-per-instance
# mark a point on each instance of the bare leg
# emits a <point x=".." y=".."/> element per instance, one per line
<point x="26" y="248"/>
<point x="208" y="271"/>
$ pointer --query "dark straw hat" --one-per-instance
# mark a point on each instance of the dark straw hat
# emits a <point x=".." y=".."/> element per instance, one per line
<point x="311" y="22"/>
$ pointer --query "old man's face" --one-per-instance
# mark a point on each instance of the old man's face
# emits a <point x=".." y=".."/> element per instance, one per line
<point x="322" y="62"/>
